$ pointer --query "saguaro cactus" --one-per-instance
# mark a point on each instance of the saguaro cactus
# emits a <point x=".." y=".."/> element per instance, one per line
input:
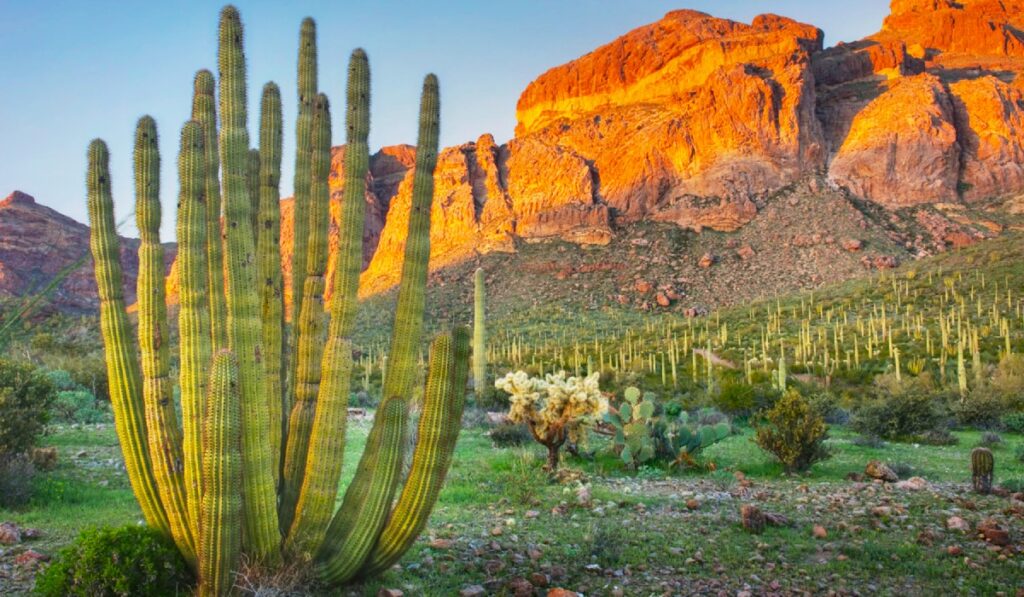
<point x="217" y="483"/>
<point x="479" y="334"/>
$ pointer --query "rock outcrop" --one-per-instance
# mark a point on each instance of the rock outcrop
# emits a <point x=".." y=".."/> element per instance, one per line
<point x="37" y="243"/>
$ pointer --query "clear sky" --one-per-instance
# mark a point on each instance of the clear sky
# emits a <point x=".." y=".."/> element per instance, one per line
<point x="75" y="70"/>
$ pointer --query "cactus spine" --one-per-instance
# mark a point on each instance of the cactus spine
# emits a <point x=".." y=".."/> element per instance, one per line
<point x="363" y="512"/>
<point x="244" y="328"/>
<point x="119" y="348"/>
<point x="192" y="488"/>
<point x="269" y="265"/>
<point x="204" y="111"/>
<point x="162" y="429"/>
<point x="194" y="314"/>
<point x="221" y="537"/>
<point x="479" y="334"/>
<point x="982" y="466"/>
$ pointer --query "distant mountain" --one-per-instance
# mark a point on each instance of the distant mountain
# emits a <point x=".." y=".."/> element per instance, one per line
<point x="37" y="242"/>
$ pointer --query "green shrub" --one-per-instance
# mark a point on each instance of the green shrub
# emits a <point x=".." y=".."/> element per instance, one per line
<point x="116" y="561"/>
<point x="793" y="431"/>
<point x="735" y="398"/>
<point x="507" y="435"/>
<point x="80" y="406"/>
<point x="1014" y="422"/>
<point x="16" y="476"/>
<point x="26" y="396"/>
<point x="901" y="412"/>
<point x="982" y="408"/>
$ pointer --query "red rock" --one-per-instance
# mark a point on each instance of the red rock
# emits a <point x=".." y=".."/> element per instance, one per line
<point x="663" y="300"/>
<point x="692" y="504"/>
<point x="31" y="558"/>
<point x="10" y="534"/>
<point x="706" y="260"/>
<point x="746" y="252"/>
<point x="819" y="532"/>
<point x="642" y="286"/>
<point x="852" y="244"/>
<point x="560" y="592"/>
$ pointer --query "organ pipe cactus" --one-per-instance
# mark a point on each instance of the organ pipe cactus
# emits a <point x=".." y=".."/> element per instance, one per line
<point x="243" y="473"/>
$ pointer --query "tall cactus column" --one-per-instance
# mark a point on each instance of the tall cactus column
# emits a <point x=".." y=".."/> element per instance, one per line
<point x="244" y="329"/>
<point x="204" y="111"/>
<point x="479" y="334"/>
<point x="269" y="267"/>
<point x="220" y="545"/>
<point x="119" y="348"/>
<point x="165" y="450"/>
<point x="310" y="329"/>
<point x="326" y="436"/>
<point x="357" y="525"/>
<point x="194" y="314"/>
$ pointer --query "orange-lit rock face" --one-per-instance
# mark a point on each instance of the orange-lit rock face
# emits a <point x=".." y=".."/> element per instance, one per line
<point x="974" y="28"/>
<point x="690" y="106"/>
<point x="990" y="122"/>
<point x="902" y="148"/>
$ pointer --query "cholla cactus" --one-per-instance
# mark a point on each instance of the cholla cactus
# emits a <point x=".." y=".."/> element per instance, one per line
<point x="555" y="408"/>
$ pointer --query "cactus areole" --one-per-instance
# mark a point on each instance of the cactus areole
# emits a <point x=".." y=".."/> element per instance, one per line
<point x="244" y="376"/>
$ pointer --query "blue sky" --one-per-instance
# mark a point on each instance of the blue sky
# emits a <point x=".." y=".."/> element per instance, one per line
<point x="75" y="70"/>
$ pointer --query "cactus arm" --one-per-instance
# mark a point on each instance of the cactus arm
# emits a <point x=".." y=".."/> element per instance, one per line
<point x="316" y="498"/>
<point x="165" y="450"/>
<point x="204" y="111"/>
<point x="310" y="341"/>
<point x="307" y="88"/>
<point x="356" y="526"/>
<point x="269" y="267"/>
<point x="119" y="347"/>
<point x="479" y="334"/>
<point x="221" y="537"/>
<point x="253" y="181"/>
<point x="194" y="313"/>
<point x="439" y="427"/>
<point x="244" y="329"/>
<point x="320" y="480"/>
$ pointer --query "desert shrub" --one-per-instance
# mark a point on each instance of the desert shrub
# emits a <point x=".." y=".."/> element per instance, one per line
<point x="868" y="441"/>
<point x="116" y="561"/>
<point x="1014" y="422"/>
<point x="982" y="408"/>
<point x="16" y="476"/>
<point x="606" y="543"/>
<point x="508" y="435"/>
<point x="990" y="439"/>
<point x="1013" y="485"/>
<point x="827" y="405"/>
<point x="26" y="395"/>
<point x="1008" y="379"/>
<point x="900" y="412"/>
<point x="735" y="398"/>
<point x="902" y="469"/>
<point x="1020" y="453"/>
<point x="793" y="431"/>
<point x="938" y="437"/>
<point x="80" y="406"/>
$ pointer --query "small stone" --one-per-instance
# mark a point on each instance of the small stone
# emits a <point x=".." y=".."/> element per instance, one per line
<point x="10" y="534"/>
<point x="532" y="514"/>
<point x="643" y="286"/>
<point x="819" y="532"/>
<point x="706" y="261"/>
<point x="560" y="592"/>
<point x="662" y="300"/>
<point x="539" y="579"/>
<point x="752" y="518"/>
<point x="955" y="523"/>
<point x="852" y="244"/>
<point x="913" y="484"/>
<point x="746" y="252"/>
<point x="692" y="504"/>
<point x="473" y="591"/>
<point x="876" y="469"/>
<point x="520" y="587"/>
<point x="31" y="559"/>
<point x="954" y="550"/>
<point x="881" y="511"/>
<point x="441" y="544"/>
<point x="496" y="532"/>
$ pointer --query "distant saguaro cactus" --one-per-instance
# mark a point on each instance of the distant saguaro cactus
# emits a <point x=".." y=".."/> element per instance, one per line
<point x="246" y="473"/>
<point x="479" y="333"/>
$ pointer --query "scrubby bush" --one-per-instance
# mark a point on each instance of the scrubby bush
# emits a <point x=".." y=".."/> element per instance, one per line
<point x="990" y="439"/>
<point x="16" y="476"/>
<point x="735" y="398"/>
<point x="116" y="561"/>
<point x="26" y="395"/>
<point x="509" y="435"/>
<point x="938" y="437"/>
<point x="1014" y="422"/>
<point x="900" y="411"/>
<point x="982" y="408"/>
<point x="793" y="431"/>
